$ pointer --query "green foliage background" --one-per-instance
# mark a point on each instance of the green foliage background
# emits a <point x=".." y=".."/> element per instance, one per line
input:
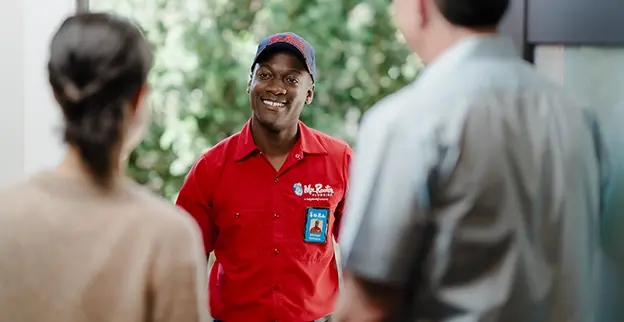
<point x="203" y="55"/>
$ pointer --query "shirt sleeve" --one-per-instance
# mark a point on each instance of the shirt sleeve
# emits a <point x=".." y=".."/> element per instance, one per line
<point x="178" y="287"/>
<point x="195" y="198"/>
<point x="387" y="211"/>
<point x="340" y="209"/>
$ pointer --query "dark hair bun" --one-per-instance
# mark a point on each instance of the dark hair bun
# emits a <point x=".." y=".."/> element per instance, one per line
<point x="98" y="63"/>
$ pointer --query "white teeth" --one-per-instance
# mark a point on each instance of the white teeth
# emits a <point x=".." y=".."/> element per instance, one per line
<point x="273" y="104"/>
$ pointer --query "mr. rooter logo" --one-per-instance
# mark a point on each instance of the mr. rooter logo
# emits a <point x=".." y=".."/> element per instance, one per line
<point x="318" y="190"/>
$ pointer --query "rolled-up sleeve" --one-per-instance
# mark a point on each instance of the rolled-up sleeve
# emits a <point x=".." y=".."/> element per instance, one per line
<point x="387" y="212"/>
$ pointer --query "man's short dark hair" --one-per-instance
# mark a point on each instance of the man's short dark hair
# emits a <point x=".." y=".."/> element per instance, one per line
<point x="473" y="13"/>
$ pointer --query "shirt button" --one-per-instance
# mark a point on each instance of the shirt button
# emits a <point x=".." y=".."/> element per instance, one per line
<point x="277" y="251"/>
<point x="297" y="156"/>
<point x="276" y="180"/>
<point x="237" y="215"/>
<point x="276" y="216"/>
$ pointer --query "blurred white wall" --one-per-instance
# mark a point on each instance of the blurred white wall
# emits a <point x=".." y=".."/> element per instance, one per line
<point x="30" y="137"/>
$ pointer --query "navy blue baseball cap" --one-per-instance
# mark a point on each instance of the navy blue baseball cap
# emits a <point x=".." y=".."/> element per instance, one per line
<point x="291" y="42"/>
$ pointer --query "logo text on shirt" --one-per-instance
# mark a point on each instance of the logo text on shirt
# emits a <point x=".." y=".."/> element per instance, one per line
<point x="317" y="191"/>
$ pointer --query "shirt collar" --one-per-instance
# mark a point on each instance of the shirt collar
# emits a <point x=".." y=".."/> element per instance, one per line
<point x="308" y="143"/>
<point x="482" y="46"/>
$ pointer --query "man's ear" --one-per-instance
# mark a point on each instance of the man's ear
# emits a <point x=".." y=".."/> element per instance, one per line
<point x="251" y="77"/>
<point x="423" y="18"/>
<point x="310" y="95"/>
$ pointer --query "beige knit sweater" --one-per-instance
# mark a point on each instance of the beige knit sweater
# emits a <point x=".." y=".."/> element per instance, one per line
<point x="70" y="252"/>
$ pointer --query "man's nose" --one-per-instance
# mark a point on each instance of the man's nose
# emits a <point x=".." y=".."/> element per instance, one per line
<point x="276" y="87"/>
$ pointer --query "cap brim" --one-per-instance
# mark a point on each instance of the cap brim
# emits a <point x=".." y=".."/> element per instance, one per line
<point x="277" y="47"/>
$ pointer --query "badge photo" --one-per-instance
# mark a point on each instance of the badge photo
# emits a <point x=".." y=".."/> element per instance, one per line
<point x="316" y="225"/>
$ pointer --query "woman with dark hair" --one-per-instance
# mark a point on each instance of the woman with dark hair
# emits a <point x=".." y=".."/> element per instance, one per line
<point x="82" y="243"/>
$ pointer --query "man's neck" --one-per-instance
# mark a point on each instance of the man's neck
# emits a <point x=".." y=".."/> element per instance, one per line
<point x="274" y="143"/>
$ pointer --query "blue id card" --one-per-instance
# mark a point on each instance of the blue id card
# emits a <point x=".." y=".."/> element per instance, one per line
<point x="316" y="225"/>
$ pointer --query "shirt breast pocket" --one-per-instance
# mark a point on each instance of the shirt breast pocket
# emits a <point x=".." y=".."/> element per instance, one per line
<point x="242" y="235"/>
<point x="320" y="198"/>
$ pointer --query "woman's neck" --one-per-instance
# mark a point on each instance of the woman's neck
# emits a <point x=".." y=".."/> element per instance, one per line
<point x="73" y="165"/>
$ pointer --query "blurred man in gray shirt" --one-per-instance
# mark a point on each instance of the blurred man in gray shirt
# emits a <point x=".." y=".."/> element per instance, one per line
<point x="475" y="190"/>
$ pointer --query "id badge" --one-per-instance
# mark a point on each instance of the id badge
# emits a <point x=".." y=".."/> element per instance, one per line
<point x="316" y="225"/>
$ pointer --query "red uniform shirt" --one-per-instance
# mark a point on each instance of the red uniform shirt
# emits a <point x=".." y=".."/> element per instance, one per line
<point x="254" y="219"/>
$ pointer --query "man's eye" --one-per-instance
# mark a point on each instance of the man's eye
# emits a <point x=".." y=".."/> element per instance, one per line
<point x="292" y="80"/>
<point x="263" y="75"/>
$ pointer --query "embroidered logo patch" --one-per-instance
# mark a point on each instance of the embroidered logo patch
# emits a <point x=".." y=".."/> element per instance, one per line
<point x="298" y="189"/>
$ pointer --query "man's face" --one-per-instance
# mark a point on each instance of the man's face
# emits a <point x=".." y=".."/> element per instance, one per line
<point x="279" y="88"/>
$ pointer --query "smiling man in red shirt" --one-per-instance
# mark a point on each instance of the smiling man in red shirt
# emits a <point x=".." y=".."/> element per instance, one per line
<point x="257" y="195"/>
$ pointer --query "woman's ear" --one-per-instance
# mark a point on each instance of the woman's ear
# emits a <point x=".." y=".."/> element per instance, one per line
<point x="139" y="97"/>
<point x="57" y="97"/>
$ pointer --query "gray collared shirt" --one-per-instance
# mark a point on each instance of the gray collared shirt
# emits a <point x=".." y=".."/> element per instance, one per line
<point x="506" y="165"/>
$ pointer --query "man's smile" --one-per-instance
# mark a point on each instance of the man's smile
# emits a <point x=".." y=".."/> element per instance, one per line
<point x="273" y="105"/>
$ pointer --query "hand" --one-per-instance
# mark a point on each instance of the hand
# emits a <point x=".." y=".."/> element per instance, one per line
<point x="356" y="304"/>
